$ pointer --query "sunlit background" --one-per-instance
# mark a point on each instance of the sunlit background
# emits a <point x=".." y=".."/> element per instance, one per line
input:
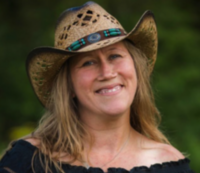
<point x="28" y="24"/>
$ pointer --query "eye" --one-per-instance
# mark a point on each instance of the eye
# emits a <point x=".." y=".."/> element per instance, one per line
<point x="114" y="56"/>
<point x="88" y="63"/>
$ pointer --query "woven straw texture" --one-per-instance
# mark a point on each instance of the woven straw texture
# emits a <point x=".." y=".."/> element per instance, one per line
<point x="44" y="63"/>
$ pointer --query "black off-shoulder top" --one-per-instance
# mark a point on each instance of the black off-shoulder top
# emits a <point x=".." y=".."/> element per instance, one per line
<point x="18" y="160"/>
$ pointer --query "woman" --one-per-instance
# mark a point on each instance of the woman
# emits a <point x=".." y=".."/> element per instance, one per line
<point x="100" y="112"/>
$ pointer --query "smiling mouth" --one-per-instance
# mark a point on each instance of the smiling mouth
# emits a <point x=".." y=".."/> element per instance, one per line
<point x="110" y="91"/>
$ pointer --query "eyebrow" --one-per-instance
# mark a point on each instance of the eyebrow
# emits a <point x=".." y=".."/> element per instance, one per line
<point x="113" y="48"/>
<point x="81" y="56"/>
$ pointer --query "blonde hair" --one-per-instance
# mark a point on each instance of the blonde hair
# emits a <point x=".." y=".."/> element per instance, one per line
<point x="145" y="117"/>
<point x="61" y="131"/>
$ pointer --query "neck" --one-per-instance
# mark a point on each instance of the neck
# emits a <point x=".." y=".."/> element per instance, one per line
<point x="107" y="140"/>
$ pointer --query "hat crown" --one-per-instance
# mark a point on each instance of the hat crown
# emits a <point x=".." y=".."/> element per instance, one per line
<point x="78" y="22"/>
<point x="82" y="29"/>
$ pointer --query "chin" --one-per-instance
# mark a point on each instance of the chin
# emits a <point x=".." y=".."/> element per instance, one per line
<point x="117" y="110"/>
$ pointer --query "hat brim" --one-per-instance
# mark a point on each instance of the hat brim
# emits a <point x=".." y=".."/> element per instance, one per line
<point x="44" y="63"/>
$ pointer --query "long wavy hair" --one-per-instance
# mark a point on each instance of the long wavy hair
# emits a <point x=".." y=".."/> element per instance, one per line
<point x="61" y="130"/>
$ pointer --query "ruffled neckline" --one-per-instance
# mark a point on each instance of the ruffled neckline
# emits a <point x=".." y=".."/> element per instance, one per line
<point x="137" y="169"/>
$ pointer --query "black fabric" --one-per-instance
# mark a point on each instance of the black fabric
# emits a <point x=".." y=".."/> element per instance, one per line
<point x="19" y="159"/>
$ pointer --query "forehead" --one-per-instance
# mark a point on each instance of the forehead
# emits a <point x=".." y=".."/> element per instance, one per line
<point x="117" y="46"/>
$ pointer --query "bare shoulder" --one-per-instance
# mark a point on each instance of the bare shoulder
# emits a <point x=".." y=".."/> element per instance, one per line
<point x="157" y="152"/>
<point x="33" y="141"/>
<point x="63" y="157"/>
<point x="165" y="152"/>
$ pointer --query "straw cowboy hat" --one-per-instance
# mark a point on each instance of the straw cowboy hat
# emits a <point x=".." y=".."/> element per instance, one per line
<point x="82" y="29"/>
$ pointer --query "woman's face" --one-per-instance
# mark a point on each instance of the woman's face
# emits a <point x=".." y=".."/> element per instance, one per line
<point x="104" y="80"/>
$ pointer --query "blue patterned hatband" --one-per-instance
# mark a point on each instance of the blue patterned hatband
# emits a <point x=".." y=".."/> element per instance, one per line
<point x="92" y="38"/>
<point x="76" y="45"/>
<point x="112" y="32"/>
<point x="96" y="37"/>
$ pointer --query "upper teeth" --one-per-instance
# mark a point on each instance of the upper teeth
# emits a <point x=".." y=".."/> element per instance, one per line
<point x="110" y="90"/>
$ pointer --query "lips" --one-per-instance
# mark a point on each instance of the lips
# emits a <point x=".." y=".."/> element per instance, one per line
<point x="109" y="90"/>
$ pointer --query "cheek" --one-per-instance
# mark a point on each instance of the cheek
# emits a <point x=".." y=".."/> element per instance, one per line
<point x="127" y="69"/>
<point x="82" y="81"/>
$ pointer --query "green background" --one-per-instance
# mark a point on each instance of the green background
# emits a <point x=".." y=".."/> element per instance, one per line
<point x="28" y="24"/>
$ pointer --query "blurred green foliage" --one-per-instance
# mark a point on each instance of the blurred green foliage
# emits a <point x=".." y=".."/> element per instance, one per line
<point x="176" y="78"/>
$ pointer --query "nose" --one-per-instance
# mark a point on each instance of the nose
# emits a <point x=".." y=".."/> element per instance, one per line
<point x="106" y="71"/>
